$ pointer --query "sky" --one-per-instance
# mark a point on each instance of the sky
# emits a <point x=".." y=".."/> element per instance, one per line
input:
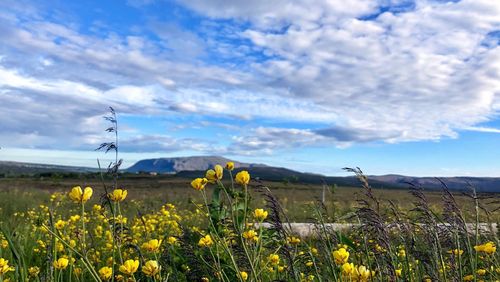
<point x="391" y="86"/>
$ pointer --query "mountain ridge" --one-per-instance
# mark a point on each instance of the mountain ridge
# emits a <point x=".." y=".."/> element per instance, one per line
<point x="195" y="166"/>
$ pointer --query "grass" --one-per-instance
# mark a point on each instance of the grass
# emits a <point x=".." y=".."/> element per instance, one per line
<point x="41" y="230"/>
<point x="161" y="229"/>
<point x="152" y="192"/>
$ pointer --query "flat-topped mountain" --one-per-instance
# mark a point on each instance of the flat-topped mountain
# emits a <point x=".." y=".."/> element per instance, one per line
<point x="174" y="165"/>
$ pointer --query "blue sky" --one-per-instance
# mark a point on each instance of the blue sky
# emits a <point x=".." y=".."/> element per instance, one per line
<point x="391" y="86"/>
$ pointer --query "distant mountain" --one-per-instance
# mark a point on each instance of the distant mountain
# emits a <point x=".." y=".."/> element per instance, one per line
<point x="174" y="165"/>
<point x="481" y="184"/>
<point x="190" y="167"/>
<point x="8" y="167"/>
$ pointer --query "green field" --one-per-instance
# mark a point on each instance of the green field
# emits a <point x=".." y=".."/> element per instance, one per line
<point x="296" y="199"/>
<point x="162" y="229"/>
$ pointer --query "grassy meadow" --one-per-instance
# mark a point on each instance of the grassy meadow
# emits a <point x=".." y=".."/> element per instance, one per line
<point x="165" y="228"/>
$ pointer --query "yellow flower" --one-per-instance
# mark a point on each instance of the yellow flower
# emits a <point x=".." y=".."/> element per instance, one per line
<point x="34" y="271"/>
<point x="481" y="272"/>
<point x="456" y="252"/>
<point x="469" y="278"/>
<point x="129" y="267"/>
<point x="4" y="266"/>
<point x="211" y="176"/>
<point x="488" y="248"/>
<point x="118" y="195"/>
<point x="244" y="275"/>
<point x="260" y="214"/>
<point x="274" y="259"/>
<point x="363" y="273"/>
<point x="4" y="244"/>
<point x="347" y="268"/>
<point x="152" y="245"/>
<point x="151" y="268"/>
<point x="398" y="272"/>
<point x="60" y="224"/>
<point x="77" y="271"/>
<point x="251" y="235"/>
<point x="229" y="165"/>
<point x="105" y="273"/>
<point x="219" y="171"/>
<point x="293" y="240"/>
<point x="309" y="263"/>
<point x="79" y="196"/>
<point x="61" y="263"/>
<point x="199" y="183"/>
<point x="402" y="253"/>
<point x="74" y="218"/>
<point x="242" y="177"/>
<point x="341" y="256"/>
<point x="171" y="240"/>
<point x="205" y="241"/>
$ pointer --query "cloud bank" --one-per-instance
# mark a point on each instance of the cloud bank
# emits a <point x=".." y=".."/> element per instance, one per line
<point x="337" y="73"/>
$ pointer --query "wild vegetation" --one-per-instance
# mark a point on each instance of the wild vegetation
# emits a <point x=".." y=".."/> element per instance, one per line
<point x="82" y="236"/>
<point x="235" y="228"/>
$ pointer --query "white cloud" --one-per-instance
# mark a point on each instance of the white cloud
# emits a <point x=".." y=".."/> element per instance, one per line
<point x="413" y="72"/>
<point x="483" y="129"/>
<point x="416" y="75"/>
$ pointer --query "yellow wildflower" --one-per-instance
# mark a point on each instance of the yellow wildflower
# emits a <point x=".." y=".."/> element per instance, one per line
<point x="171" y="240"/>
<point x="399" y="272"/>
<point x="74" y="218"/>
<point x="151" y="268"/>
<point x="260" y="214"/>
<point x="274" y="259"/>
<point x="79" y="196"/>
<point x="293" y="240"/>
<point x="34" y="271"/>
<point x="229" y="165"/>
<point x="105" y="273"/>
<point x="401" y="253"/>
<point x="199" y="183"/>
<point x="314" y="251"/>
<point x="242" y="177"/>
<point x="219" y="171"/>
<point x="341" y="256"/>
<point x="347" y="268"/>
<point x="61" y="263"/>
<point x="363" y="273"/>
<point x="60" y="224"/>
<point x="118" y="195"/>
<point x="77" y="271"/>
<point x="211" y="176"/>
<point x="469" y="278"/>
<point x="244" y="275"/>
<point x="205" y="241"/>
<point x="481" y="272"/>
<point x="4" y="266"/>
<point x="456" y="252"/>
<point x="488" y="248"/>
<point x="152" y="245"/>
<point x="129" y="267"/>
<point x="251" y="235"/>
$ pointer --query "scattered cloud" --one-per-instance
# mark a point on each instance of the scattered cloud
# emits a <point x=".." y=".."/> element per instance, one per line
<point x="483" y="129"/>
<point x="357" y="71"/>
